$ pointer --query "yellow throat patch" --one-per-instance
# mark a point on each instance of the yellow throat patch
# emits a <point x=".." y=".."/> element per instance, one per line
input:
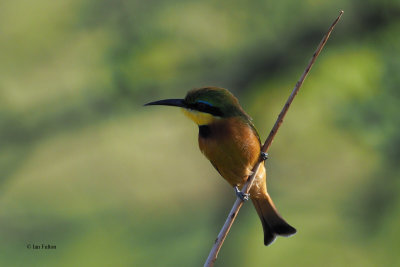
<point x="201" y="118"/>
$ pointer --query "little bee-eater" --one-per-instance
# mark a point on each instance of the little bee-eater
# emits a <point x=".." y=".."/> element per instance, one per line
<point x="228" y="138"/>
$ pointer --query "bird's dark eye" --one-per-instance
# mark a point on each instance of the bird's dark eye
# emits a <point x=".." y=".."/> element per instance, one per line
<point x="201" y="106"/>
<point x="204" y="106"/>
<point x="207" y="107"/>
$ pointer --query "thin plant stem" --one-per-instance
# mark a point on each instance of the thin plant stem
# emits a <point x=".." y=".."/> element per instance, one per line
<point x="212" y="257"/>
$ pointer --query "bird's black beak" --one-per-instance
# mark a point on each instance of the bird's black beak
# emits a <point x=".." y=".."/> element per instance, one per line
<point x="168" y="102"/>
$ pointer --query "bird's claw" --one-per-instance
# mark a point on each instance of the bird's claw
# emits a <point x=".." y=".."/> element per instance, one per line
<point x="241" y="195"/>
<point x="264" y="156"/>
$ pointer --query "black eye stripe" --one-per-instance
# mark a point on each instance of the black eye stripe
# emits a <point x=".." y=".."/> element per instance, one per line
<point x="203" y="107"/>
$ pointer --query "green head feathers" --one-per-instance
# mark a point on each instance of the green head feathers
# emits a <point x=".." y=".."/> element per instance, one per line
<point x="218" y="102"/>
<point x="214" y="100"/>
<point x="208" y="105"/>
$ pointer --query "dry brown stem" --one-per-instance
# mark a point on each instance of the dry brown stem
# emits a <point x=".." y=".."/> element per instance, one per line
<point x="212" y="257"/>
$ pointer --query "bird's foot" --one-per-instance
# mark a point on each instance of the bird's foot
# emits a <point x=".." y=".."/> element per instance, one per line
<point x="241" y="195"/>
<point x="264" y="156"/>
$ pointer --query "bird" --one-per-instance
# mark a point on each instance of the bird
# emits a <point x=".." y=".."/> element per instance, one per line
<point x="229" y="140"/>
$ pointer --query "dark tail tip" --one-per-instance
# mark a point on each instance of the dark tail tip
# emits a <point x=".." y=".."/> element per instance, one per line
<point x="284" y="229"/>
<point x="269" y="238"/>
<point x="273" y="224"/>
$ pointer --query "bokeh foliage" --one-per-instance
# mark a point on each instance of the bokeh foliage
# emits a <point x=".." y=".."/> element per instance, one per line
<point x="85" y="167"/>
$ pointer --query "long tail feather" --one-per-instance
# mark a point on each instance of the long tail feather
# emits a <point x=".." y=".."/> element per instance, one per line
<point x="273" y="224"/>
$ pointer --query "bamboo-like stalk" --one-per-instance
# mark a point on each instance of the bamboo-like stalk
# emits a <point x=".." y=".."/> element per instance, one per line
<point x="212" y="257"/>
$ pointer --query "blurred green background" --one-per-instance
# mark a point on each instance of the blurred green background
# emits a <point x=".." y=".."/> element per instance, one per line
<point x="84" y="166"/>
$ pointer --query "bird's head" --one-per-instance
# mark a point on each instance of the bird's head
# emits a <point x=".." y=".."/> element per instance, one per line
<point x="206" y="105"/>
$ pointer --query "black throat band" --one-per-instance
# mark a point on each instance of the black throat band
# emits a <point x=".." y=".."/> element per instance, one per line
<point x="204" y="131"/>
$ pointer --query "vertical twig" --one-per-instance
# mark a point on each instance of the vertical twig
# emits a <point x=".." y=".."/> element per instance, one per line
<point x="212" y="257"/>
